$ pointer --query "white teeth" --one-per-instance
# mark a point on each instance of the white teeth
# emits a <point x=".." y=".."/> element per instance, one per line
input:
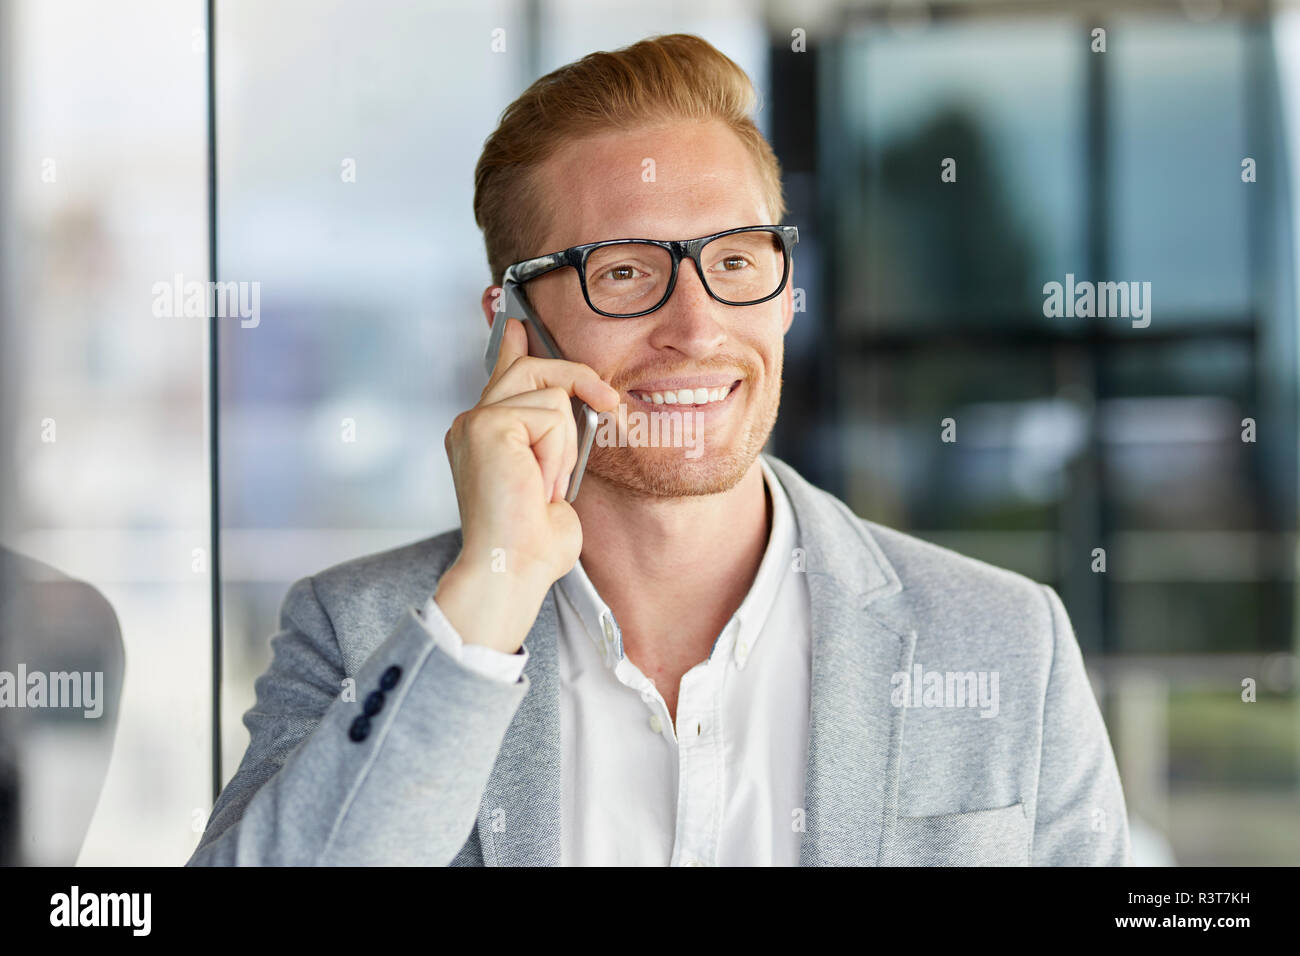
<point x="686" y="396"/>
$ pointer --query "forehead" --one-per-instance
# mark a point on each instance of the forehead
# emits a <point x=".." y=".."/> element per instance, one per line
<point x="675" y="180"/>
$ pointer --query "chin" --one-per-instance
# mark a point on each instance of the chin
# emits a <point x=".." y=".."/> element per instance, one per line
<point x="668" y="473"/>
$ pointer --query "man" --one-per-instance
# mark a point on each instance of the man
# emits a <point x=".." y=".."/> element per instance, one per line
<point x="703" y="660"/>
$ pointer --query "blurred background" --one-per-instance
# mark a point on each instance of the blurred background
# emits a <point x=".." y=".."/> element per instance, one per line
<point x="1162" y="149"/>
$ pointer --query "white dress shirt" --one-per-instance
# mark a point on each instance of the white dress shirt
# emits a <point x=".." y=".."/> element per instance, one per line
<point x="727" y="788"/>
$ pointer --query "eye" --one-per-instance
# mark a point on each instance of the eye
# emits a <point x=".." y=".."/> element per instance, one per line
<point x="619" y="273"/>
<point x="732" y="262"/>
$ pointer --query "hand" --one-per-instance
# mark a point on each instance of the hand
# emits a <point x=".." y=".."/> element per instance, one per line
<point x="511" y="456"/>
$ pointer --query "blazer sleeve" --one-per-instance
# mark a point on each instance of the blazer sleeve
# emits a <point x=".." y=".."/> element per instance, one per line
<point x="1080" y="818"/>
<point x="314" y="789"/>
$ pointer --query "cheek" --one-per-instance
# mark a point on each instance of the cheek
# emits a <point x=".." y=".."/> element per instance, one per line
<point x="614" y="349"/>
<point x="564" y="314"/>
<point x="770" y="347"/>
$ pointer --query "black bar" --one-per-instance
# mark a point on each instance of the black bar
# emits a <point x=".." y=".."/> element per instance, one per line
<point x="926" y="905"/>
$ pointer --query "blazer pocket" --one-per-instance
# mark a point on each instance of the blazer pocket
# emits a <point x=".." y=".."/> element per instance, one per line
<point x="998" y="837"/>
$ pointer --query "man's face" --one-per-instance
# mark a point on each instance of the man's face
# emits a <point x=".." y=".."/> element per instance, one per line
<point x="704" y="181"/>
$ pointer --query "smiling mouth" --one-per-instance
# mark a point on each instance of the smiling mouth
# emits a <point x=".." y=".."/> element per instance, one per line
<point x="686" y="397"/>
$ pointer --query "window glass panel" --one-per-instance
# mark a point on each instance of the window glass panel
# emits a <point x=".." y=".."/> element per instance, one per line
<point x="105" y="567"/>
<point x="1005" y="101"/>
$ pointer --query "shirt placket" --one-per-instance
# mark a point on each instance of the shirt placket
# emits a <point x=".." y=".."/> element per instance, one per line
<point x="698" y="742"/>
<point x="700" y="760"/>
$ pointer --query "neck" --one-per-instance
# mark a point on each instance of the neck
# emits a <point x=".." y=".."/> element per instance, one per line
<point x="673" y="571"/>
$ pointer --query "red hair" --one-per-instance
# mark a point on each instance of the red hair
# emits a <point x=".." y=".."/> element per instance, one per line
<point x="677" y="76"/>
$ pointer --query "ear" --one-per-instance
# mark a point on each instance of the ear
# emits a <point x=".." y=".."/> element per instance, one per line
<point x="491" y="303"/>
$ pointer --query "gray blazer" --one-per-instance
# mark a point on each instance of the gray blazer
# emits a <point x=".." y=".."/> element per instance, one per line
<point x="459" y="769"/>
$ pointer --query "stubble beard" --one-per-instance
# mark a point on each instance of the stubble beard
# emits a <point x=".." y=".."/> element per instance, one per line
<point x="668" y="473"/>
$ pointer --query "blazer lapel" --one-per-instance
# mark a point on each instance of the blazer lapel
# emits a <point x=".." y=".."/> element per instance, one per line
<point x="519" y="818"/>
<point x="854" y="732"/>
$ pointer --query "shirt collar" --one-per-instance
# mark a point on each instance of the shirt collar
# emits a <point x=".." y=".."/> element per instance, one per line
<point x="742" y="631"/>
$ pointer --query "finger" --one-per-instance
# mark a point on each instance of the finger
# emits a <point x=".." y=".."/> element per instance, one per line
<point x="565" y="524"/>
<point x="517" y="371"/>
<point x="551" y="397"/>
<point x="545" y="431"/>
<point x="557" y="399"/>
<point x="530" y="374"/>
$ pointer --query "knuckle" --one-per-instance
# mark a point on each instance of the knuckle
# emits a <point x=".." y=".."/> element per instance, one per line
<point x="457" y="427"/>
<point x="523" y="364"/>
<point x="473" y="421"/>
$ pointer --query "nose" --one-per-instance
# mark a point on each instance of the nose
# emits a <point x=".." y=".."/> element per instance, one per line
<point x="688" y="321"/>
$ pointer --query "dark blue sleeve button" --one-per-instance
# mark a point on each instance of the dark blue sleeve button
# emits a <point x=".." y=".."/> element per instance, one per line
<point x="374" y="703"/>
<point x="390" y="678"/>
<point x="360" y="729"/>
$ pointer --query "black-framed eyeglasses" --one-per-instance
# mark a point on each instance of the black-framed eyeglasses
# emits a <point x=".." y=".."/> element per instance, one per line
<point x="626" y="278"/>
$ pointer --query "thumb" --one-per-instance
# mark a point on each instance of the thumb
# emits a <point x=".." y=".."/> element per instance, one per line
<point x="514" y="345"/>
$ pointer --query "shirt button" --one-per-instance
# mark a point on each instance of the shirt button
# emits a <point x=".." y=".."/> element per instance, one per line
<point x="692" y="863"/>
<point x="609" y="630"/>
<point x="656" y="724"/>
<point x="742" y="652"/>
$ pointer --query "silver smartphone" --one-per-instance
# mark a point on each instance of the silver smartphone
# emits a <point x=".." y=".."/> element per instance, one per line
<point x="515" y="306"/>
